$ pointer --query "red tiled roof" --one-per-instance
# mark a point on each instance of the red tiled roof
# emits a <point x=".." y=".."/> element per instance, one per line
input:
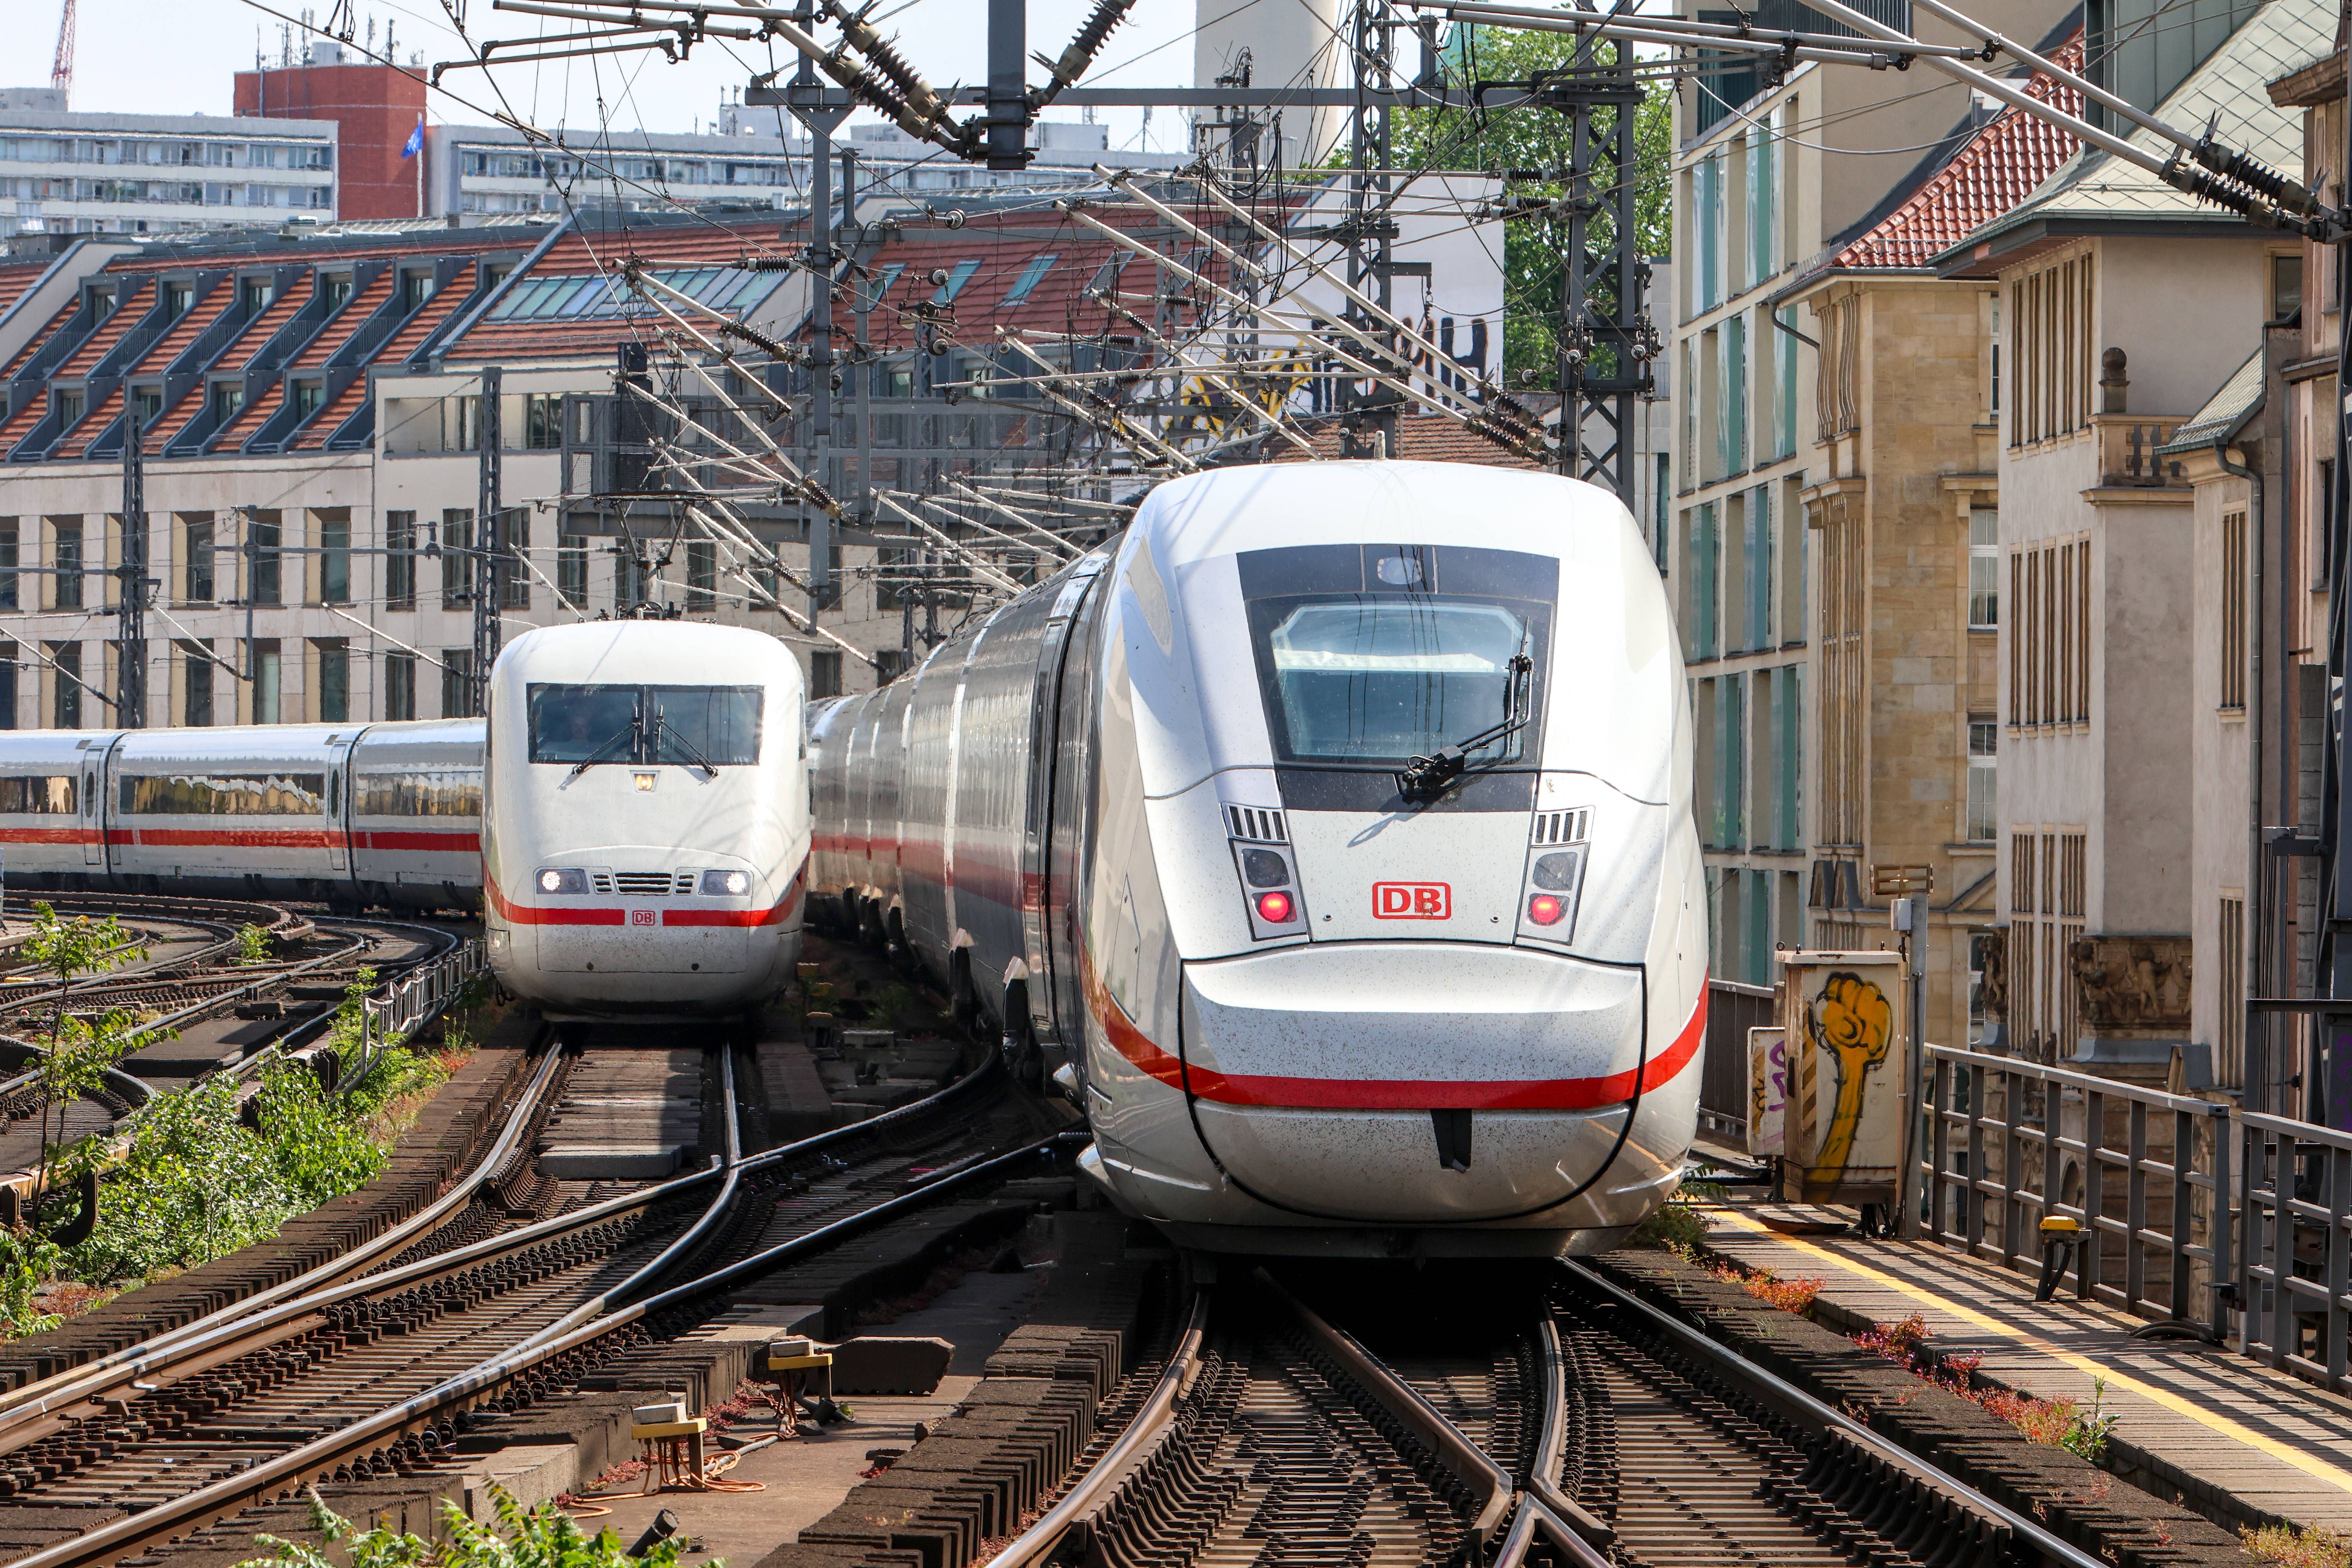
<point x="327" y="420"/>
<point x="106" y="334"/>
<point x="429" y="315"/>
<point x="1003" y="244"/>
<point x="2004" y="162"/>
<point x="93" y="425"/>
<point x="348" y="319"/>
<point x="1422" y="437"/>
<point x="65" y="313"/>
<point x="18" y="278"/>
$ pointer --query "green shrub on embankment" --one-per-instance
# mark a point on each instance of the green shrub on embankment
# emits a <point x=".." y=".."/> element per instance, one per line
<point x="192" y="1176"/>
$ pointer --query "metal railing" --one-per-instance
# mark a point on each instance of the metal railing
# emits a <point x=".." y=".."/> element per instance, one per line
<point x="1731" y="1010"/>
<point x="2145" y="1174"/>
<point x="2299" y="1245"/>
<point x="389" y="1016"/>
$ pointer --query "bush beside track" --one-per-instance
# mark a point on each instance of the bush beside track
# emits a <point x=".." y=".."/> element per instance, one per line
<point x="461" y="1119"/>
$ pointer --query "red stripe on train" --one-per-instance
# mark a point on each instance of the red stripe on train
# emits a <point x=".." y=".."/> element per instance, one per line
<point x="1388" y="1094"/>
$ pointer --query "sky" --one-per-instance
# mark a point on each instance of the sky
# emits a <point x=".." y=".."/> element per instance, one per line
<point x="140" y="57"/>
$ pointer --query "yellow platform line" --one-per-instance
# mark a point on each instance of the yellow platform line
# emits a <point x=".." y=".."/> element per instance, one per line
<point x="2284" y="1452"/>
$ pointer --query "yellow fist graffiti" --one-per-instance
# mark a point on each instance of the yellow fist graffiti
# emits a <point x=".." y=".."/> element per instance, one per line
<point x="1851" y="1024"/>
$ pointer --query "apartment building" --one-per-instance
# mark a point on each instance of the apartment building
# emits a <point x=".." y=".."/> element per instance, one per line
<point x="65" y="172"/>
<point x="756" y="155"/>
<point x="2125" y="307"/>
<point x="1902" y="500"/>
<point x="1767" y="174"/>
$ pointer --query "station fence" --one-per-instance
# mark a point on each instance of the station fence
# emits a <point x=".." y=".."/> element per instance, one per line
<point x="395" y="1011"/>
<point x="2206" y="1220"/>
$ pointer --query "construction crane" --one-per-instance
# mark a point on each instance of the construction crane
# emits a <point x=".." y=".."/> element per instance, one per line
<point x="61" y="68"/>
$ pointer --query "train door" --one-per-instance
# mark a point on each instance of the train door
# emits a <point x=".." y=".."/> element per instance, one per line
<point x="1069" y="746"/>
<point x="1036" y="842"/>
<point x="339" y="821"/>
<point x="93" y="803"/>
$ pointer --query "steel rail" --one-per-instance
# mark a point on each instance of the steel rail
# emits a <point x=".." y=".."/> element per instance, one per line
<point x="1472" y="1465"/>
<point x="265" y="1480"/>
<point x="1802" y="1409"/>
<point x="1543" y="1507"/>
<point x="1157" y="1417"/>
<point x="333" y="1282"/>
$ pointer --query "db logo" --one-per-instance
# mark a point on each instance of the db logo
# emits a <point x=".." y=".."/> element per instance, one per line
<point x="1411" y="902"/>
<point x="641" y="916"/>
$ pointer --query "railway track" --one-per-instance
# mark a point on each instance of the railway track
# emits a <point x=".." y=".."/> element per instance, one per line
<point x="1559" y="1420"/>
<point x="375" y="1363"/>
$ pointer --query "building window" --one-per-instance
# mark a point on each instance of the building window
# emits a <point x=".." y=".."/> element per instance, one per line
<point x="457" y="683"/>
<point x="701" y="576"/>
<point x="1980" y="946"/>
<point x="2233" y="611"/>
<point x="269" y="686"/>
<point x="1984" y="569"/>
<point x="542" y="421"/>
<point x="66" y="657"/>
<point x="2286" y="286"/>
<point x="825" y="673"/>
<point x="467" y="437"/>
<point x="514" y="550"/>
<point x="2230" y="1015"/>
<point x="571" y="571"/>
<point x="400" y="686"/>
<point x="196" y="572"/>
<point x="1984" y="799"/>
<point x="335" y="557"/>
<point x="69" y="564"/>
<point x="196" y="708"/>
<point x="399" y="561"/>
<point x="456" y="557"/>
<point x="8" y="600"/>
<point x="335" y="682"/>
<point x="2050" y="358"/>
<point x="262" y="532"/>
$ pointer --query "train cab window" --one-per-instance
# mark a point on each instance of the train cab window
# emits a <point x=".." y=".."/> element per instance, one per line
<point x="1367" y="659"/>
<point x="686" y="725"/>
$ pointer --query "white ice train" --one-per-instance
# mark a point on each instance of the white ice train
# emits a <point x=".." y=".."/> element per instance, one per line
<point x="645" y="812"/>
<point x="645" y="823"/>
<point x="347" y="815"/>
<point x="1327" y="836"/>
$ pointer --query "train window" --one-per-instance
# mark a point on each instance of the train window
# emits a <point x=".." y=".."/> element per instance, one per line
<point x="1374" y="679"/>
<point x="50" y="796"/>
<point x="200" y="794"/>
<point x="690" y="725"/>
<point x="421" y="792"/>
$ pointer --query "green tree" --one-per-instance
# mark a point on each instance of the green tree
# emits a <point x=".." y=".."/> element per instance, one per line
<point x="1535" y="246"/>
<point x="80" y="1053"/>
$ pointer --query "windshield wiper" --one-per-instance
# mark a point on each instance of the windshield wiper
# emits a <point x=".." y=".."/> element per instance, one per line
<point x="661" y="727"/>
<point x="1425" y="779"/>
<point x="635" y="728"/>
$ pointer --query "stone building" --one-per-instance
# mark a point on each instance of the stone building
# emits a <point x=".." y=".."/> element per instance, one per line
<point x="1902" y="503"/>
<point x="1769" y="174"/>
<point x="2124" y="306"/>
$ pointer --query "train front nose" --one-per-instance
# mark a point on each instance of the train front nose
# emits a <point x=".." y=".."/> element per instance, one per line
<point x="1326" y="1084"/>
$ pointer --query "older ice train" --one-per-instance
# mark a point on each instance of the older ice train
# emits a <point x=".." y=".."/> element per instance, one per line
<point x="1327" y="836"/>
<point x="645" y="822"/>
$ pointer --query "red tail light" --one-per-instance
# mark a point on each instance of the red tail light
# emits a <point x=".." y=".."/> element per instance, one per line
<point x="1545" y="910"/>
<point x="1274" y="908"/>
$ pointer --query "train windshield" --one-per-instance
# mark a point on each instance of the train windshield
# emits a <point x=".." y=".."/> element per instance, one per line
<point x="1369" y="655"/>
<point x="694" y="726"/>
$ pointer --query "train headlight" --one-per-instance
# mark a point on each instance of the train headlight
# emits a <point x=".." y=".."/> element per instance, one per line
<point x="563" y="881"/>
<point x="725" y="884"/>
<point x="1545" y="910"/>
<point x="1274" y="908"/>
